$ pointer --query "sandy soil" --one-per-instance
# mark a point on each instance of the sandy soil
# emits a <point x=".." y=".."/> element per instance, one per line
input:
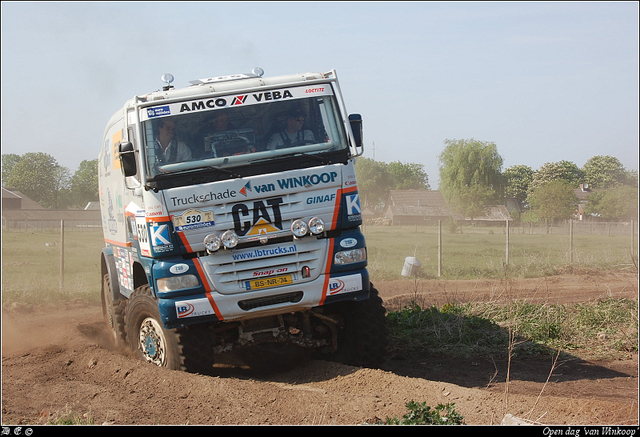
<point x="57" y="362"/>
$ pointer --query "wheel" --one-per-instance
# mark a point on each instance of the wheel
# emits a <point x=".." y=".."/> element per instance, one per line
<point x="364" y="336"/>
<point x="189" y="349"/>
<point x="113" y="313"/>
<point x="145" y="333"/>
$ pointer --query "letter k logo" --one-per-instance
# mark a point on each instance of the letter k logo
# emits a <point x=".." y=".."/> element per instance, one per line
<point x="353" y="204"/>
<point x="159" y="235"/>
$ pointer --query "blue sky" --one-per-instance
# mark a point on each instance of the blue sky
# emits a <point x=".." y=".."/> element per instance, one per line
<point x="545" y="82"/>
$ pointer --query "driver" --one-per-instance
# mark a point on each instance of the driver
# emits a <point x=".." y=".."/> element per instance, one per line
<point x="168" y="148"/>
<point x="292" y="134"/>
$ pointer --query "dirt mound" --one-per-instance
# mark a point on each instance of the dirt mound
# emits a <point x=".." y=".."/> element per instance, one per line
<point x="58" y="363"/>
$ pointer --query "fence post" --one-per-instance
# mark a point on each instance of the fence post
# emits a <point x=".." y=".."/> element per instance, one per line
<point x="507" y="254"/>
<point x="61" y="254"/>
<point x="439" y="248"/>
<point x="570" y="241"/>
<point x="633" y="238"/>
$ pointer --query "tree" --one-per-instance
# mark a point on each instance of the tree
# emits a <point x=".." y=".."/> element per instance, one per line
<point x="616" y="203"/>
<point x="554" y="200"/>
<point x="8" y="161"/>
<point x="603" y="171"/>
<point x="470" y="175"/>
<point x="84" y="183"/>
<point x="373" y="182"/>
<point x="551" y="171"/>
<point x="408" y="176"/>
<point x="631" y="178"/>
<point x="517" y="180"/>
<point x="38" y="176"/>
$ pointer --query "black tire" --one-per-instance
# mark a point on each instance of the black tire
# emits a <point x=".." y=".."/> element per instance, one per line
<point x="188" y="349"/>
<point x="364" y="338"/>
<point x="145" y="333"/>
<point x="113" y="313"/>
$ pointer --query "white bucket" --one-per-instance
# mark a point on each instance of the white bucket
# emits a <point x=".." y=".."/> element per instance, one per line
<point x="411" y="266"/>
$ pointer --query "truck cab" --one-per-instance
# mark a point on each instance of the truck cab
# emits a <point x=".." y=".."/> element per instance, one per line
<point x="231" y="219"/>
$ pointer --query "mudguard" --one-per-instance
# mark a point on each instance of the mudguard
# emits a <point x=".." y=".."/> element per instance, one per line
<point x="109" y="267"/>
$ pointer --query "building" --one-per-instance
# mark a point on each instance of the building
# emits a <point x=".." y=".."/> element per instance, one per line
<point x="410" y="207"/>
<point x="20" y="212"/>
<point x="583" y="194"/>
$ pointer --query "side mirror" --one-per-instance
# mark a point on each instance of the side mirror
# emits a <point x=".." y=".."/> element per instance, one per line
<point x="128" y="159"/>
<point x="356" y="127"/>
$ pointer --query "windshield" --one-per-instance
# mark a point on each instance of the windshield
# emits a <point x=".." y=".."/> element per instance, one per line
<point x="235" y="130"/>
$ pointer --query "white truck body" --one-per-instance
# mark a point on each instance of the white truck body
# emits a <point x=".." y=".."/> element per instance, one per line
<point x="213" y="235"/>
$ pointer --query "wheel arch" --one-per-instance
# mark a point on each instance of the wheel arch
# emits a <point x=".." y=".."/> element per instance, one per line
<point x="108" y="267"/>
<point x="140" y="277"/>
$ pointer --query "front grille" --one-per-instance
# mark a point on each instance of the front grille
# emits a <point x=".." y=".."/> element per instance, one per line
<point x="230" y="270"/>
<point x="250" y="304"/>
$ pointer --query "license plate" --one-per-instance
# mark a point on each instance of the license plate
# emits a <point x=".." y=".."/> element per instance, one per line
<point x="268" y="282"/>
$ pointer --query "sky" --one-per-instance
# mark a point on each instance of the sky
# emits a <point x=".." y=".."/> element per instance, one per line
<point x="544" y="81"/>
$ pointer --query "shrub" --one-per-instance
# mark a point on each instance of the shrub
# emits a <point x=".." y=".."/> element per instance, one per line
<point x="421" y="414"/>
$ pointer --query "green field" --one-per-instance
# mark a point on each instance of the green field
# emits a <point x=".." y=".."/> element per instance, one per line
<point x="31" y="260"/>
<point x="481" y="252"/>
<point x="31" y="267"/>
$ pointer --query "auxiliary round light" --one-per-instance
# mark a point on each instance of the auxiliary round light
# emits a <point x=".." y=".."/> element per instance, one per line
<point x="299" y="228"/>
<point x="316" y="226"/>
<point x="229" y="239"/>
<point x="212" y="243"/>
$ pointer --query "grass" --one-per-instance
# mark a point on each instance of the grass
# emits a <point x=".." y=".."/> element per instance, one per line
<point x="481" y="252"/>
<point x="68" y="417"/>
<point x="31" y="260"/>
<point x="607" y="328"/>
<point x="31" y="267"/>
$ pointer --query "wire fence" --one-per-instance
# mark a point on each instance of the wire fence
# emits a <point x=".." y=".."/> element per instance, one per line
<point x="50" y="225"/>
<point x="453" y="250"/>
<point x="578" y="228"/>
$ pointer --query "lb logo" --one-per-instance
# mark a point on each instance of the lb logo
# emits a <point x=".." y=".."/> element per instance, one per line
<point x="184" y="309"/>
<point x="345" y="284"/>
<point x="336" y="286"/>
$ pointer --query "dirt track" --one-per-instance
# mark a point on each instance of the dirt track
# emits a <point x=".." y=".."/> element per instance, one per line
<point x="56" y="362"/>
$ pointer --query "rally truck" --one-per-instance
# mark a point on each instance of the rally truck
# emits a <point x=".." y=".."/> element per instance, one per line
<point x="231" y="220"/>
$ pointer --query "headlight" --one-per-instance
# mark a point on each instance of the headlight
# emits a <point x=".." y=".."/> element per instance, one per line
<point x="316" y="226"/>
<point x="212" y="243"/>
<point x="174" y="283"/>
<point x="229" y="239"/>
<point x="350" y="256"/>
<point x="299" y="228"/>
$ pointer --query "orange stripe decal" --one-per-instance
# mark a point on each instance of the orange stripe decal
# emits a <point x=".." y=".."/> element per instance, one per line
<point x="183" y="238"/>
<point x="207" y="287"/>
<point x="118" y="243"/>
<point x="336" y="209"/>
<point x="158" y="219"/>
<point x="327" y="272"/>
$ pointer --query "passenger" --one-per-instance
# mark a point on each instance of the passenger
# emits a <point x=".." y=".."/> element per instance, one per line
<point x="169" y="148"/>
<point x="220" y="122"/>
<point x="293" y="134"/>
